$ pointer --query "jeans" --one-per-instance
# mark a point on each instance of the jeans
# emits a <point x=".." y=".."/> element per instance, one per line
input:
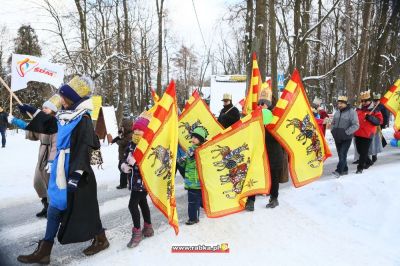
<point x="342" y="148"/>
<point x="3" y="136"/>
<point x="54" y="217"/>
<point x="194" y="204"/>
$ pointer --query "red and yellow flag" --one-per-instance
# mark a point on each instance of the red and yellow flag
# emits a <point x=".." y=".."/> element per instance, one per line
<point x="234" y="165"/>
<point x="391" y="100"/>
<point x="254" y="88"/>
<point x="196" y="114"/>
<point x="156" y="155"/>
<point x="295" y="127"/>
<point x="155" y="96"/>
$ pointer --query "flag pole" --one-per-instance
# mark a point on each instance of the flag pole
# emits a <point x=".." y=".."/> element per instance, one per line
<point x="11" y="102"/>
<point x="12" y="94"/>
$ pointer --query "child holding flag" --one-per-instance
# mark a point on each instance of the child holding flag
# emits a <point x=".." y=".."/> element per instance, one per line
<point x="138" y="191"/>
<point x="192" y="181"/>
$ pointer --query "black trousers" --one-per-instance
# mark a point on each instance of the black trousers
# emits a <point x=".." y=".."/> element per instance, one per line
<point x="362" y="146"/>
<point x="138" y="198"/>
<point x="342" y="148"/>
<point x="123" y="178"/>
<point x="275" y="176"/>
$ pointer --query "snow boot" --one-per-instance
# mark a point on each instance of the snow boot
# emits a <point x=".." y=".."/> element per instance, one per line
<point x="43" y="212"/>
<point x="136" y="238"/>
<point x="359" y="171"/>
<point x="355" y="162"/>
<point x="148" y="230"/>
<point x="40" y="255"/>
<point x="191" y="222"/>
<point x="121" y="187"/>
<point x="374" y="158"/>
<point x="336" y="174"/>
<point x="99" y="243"/>
<point x="272" y="203"/>
<point x="249" y="205"/>
<point x="345" y="173"/>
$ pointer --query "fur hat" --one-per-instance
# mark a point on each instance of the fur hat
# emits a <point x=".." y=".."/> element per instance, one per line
<point x="142" y="122"/>
<point x="54" y="103"/>
<point x="200" y="133"/>
<point x="365" y="95"/>
<point x="342" y="99"/>
<point x="227" y="96"/>
<point x="77" y="88"/>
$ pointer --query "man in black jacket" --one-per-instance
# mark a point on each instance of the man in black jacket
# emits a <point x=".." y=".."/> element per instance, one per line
<point x="229" y="115"/>
<point x="3" y="127"/>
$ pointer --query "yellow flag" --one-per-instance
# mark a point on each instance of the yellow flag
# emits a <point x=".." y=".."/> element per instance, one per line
<point x="255" y="84"/>
<point x="97" y="100"/>
<point x="156" y="155"/>
<point x="391" y="100"/>
<point x="295" y="127"/>
<point x="234" y="165"/>
<point x="196" y="114"/>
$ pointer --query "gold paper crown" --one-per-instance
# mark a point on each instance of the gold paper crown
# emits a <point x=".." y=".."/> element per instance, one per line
<point x="365" y="95"/>
<point x="266" y="92"/>
<point x="343" y="99"/>
<point x="227" y="96"/>
<point x="376" y="96"/>
<point x="81" y="85"/>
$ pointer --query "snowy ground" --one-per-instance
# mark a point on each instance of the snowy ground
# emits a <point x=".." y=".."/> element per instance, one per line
<point x="353" y="220"/>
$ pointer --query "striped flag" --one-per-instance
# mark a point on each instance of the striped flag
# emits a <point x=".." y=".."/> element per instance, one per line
<point x="156" y="155"/>
<point x="155" y="96"/>
<point x="296" y="128"/>
<point x="254" y="88"/>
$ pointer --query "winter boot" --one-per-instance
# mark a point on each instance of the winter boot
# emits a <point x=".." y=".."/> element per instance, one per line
<point x="355" y="162"/>
<point x="99" y="243"/>
<point x="374" y="158"/>
<point x="273" y="202"/>
<point x="148" y="230"/>
<point x="40" y="255"/>
<point x="359" y="171"/>
<point x="249" y="205"/>
<point x="43" y="212"/>
<point x="136" y="238"/>
<point x="191" y="222"/>
<point x="336" y="174"/>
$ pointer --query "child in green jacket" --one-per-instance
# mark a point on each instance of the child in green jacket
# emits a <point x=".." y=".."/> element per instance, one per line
<point x="192" y="182"/>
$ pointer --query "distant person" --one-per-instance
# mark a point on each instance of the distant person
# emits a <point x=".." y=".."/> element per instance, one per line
<point x="229" y="115"/>
<point x="122" y="140"/>
<point x="322" y="114"/>
<point x="3" y="126"/>
<point x="368" y="119"/>
<point x="379" y="142"/>
<point x="344" y="124"/>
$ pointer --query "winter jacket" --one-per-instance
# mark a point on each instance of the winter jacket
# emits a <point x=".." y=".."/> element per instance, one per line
<point x="188" y="162"/>
<point x="124" y="138"/>
<point x="3" y="119"/>
<point x="136" y="181"/>
<point x="368" y="122"/>
<point x="274" y="150"/>
<point x="81" y="217"/>
<point x="228" y="116"/>
<point x="344" y="124"/>
<point x="385" y="114"/>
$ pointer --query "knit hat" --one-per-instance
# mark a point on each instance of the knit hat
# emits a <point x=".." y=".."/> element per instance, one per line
<point x="54" y="103"/>
<point x="365" y="95"/>
<point x="142" y="122"/>
<point x="77" y="88"/>
<point x="200" y="133"/>
<point x="342" y="99"/>
<point x="227" y="97"/>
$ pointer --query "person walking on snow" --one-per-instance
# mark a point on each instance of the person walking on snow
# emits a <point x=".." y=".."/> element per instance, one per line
<point x="47" y="151"/>
<point x="73" y="211"/>
<point x="344" y="124"/>
<point x="3" y="127"/>
<point x="138" y="196"/>
<point x="192" y="181"/>
<point x="122" y="140"/>
<point x="368" y="119"/>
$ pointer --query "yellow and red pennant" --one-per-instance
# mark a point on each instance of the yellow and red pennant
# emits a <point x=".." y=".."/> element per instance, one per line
<point x="154" y="95"/>
<point x="156" y="155"/>
<point x="251" y="101"/>
<point x="391" y="100"/>
<point x="234" y="165"/>
<point x="296" y="129"/>
<point x="196" y="114"/>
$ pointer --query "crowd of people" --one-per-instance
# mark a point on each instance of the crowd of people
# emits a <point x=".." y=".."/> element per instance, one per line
<point x="66" y="185"/>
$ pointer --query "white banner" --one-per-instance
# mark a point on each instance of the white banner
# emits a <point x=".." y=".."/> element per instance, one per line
<point x="25" y="68"/>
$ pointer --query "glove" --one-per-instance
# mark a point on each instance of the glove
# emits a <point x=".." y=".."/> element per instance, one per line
<point x="25" y="108"/>
<point x="10" y="119"/>
<point x="115" y="139"/>
<point x="126" y="168"/>
<point x="372" y="119"/>
<point x="73" y="181"/>
<point x="48" y="167"/>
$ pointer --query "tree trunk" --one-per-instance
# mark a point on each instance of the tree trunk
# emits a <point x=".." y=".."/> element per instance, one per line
<point x="260" y="31"/>
<point x="348" y="72"/>
<point x="272" y="48"/>
<point x="160" y="44"/>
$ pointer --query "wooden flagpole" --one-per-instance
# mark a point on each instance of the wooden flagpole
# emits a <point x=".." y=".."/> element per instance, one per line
<point x="13" y="95"/>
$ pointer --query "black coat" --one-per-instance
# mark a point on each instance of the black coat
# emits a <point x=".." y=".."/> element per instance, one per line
<point x="3" y="119"/>
<point x="385" y="113"/>
<point x="228" y="116"/>
<point x="81" y="220"/>
<point x="274" y="150"/>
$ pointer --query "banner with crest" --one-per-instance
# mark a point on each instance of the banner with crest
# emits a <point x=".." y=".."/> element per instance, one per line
<point x="156" y="155"/>
<point x="391" y="100"/>
<point x="234" y="165"/>
<point x="196" y="114"/>
<point x="295" y="127"/>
